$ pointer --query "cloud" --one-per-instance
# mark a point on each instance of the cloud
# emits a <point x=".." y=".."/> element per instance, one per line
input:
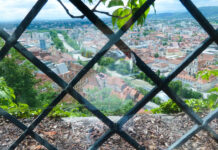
<point x="177" y="6"/>
<point x="17" y="9"/>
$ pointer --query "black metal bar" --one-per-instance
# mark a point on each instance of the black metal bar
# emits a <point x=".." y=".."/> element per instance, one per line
<point x="89" y="65"/>
<point x="23" y="127"/>
<point x="105" y="29"/>
<point x="127" y="138"/>
<point x="195" y="129"/>
<point x="102" y="139"/>
<point x="39" y="119"/>
<point x="22" y="27"/>
<point x="157" y="89"/>
<point x="201" y="19"/>
<point x="56" y="78"/>
<point x="34" y="60"/>
<point x="113" y="39"/>
<point x="151" y="74"/>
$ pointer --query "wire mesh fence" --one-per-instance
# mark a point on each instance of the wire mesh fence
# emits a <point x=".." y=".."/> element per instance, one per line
<point x="114" y="39"/>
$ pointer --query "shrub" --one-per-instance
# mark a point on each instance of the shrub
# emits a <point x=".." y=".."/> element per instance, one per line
<point x="167" y="108"/>
<point x="198" y="105"/>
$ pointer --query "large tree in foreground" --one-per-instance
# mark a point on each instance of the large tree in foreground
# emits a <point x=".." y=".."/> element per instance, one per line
<point x="19" y="74"/>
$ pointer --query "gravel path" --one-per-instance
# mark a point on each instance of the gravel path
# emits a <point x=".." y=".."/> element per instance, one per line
<point x="155" y="132"/>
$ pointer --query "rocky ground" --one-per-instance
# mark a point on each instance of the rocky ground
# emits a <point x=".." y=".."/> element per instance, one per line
<point x="155" y="132"/>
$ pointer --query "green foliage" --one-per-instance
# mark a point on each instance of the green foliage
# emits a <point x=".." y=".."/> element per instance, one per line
<point x="58" y="43"/>
<point x="46" y="93"/>
<point x="1" y="42"/>
<point x="189" y="93"/>
<point x="206" y="74"/>
<point x="105" y="61"/>
<point x="123" y="67"/>
<point x="156" y="55"/>
<point x="6" y="102"/>
<point x="18" y="75"/>
<point x="212" y="101"/>
<point x="122" y="14"/>
<point x="73" y="43"/>
<point x="66" y="110"/>
<point x="180" y="39"/>
<point x="198" y="105"/>
<point x="146" y="32"/>
<point x="115" y="3"/>
<point x="196" y="102"/>
<point x="144" y="77"/>
<point x="144" y="92"/>
<point x="21" y="110"/>
<point x="107" y="103"/>
<point x="182" y="91"/>
<point x="101" y="69"/>
<point x="167" y="108"/>
<point x="86" y="53"/>
<point x="83" y="63"/>
<point x="6" y="93"/>
<point x="165" y="42"/>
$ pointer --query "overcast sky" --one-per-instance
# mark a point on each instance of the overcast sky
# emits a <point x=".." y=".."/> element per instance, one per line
<point x="11" y="10"/>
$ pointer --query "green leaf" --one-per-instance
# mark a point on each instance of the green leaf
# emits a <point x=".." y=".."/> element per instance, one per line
<point x="103" y="1"/>
<point x="141" y="2"/>
<point x="205" y="74"/>
<point x="117" y="12"/>
<point x="215" y="89"/>
<point x="126" y="13"/>
<point x="113" y="3"/>
<point x="132" y="3"/>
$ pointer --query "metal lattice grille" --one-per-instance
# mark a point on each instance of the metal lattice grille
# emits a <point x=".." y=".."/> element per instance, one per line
<point x="114" y="38"/>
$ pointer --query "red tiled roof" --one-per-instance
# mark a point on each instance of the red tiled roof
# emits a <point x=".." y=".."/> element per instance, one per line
<point x="115" y="81"/>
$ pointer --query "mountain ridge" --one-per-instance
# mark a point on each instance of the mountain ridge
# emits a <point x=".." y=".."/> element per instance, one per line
<point x="210" y="11"/>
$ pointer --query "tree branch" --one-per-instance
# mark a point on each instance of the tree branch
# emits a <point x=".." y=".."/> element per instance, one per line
<point x="67" y="11"/>
<point x="99" y="2"/>
<point x="93" y="10"/>
<point x="108" y="14"/>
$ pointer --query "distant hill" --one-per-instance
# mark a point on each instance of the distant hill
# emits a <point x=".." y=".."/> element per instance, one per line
<point x="208" y="12"/>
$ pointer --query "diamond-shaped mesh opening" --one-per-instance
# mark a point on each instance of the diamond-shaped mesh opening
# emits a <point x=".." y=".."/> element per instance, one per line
<point x="89" y="37"/>
<point x="157" y="131"/>
<point x="79" y="132"/>
<point x="110" y="94"/>
<point x="115" y="128"/>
